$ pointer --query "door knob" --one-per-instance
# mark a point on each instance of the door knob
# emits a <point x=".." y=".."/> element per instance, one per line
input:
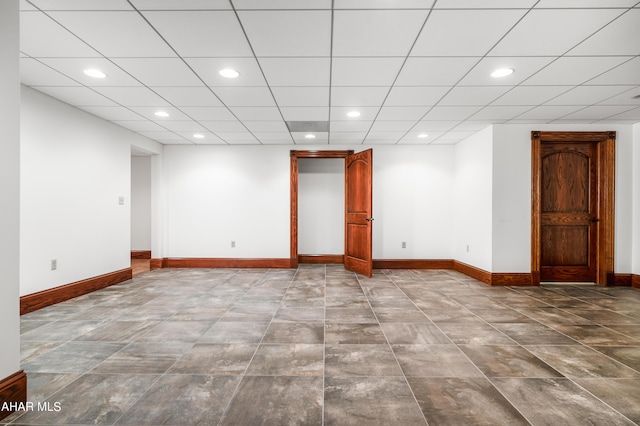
<point x="368" y="219"/>
<point x="594" y="219"/>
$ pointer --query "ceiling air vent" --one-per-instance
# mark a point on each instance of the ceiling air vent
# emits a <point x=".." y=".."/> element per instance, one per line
<point x="308" y="126"/>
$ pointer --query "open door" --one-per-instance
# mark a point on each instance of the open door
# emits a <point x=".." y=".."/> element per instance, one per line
<point x="358" y="209"/>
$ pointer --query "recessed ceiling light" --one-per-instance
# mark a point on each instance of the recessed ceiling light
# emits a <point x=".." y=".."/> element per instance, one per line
<point x="423" y="135"/>
<point x="310" y="136"/>
<point x="161" y="114"/>
<point x="229" y="73"/>
<point x="353" y="114"/>
<point x="198" y="136"/>
<point x="95" y="73"/>
<point x="502" y="72"/>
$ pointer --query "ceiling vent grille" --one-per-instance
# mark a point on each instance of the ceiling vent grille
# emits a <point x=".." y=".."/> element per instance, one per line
<point x="308" y="126"/>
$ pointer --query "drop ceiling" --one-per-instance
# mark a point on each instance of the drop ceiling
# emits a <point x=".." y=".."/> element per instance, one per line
<point x="409" y="67"/>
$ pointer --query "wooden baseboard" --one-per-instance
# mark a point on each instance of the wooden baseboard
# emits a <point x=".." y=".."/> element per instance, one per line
<point x="635" y="281"/>
<point x="35" y="301"/>
<point x="220" y="263"/>
<point x="156" y="263"/>
<point x="412" y="264"/>
<point x="141" y="254"/>
<point x="321" y="258"/>
<point x="622" y="280"/>
<point x="472" y="271"/>
<point x="13" y="390"/>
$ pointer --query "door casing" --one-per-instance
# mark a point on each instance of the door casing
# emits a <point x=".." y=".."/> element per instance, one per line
<point x="605" y="142"/>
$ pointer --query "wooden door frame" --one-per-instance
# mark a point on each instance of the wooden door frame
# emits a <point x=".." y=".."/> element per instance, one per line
<point x="293" y="178"/>
<point x="605" y="142"/>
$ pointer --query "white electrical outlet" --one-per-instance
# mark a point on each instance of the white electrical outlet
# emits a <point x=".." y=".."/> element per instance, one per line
<point x="233" y="244"/>
<point x="404" y="244"/>
<point x="121" y="201"/>
<point x="467" y="248"/>
<point x="54" y="264"/>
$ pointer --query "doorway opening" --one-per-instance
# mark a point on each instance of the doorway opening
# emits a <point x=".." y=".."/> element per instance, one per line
<point x="572" y="214"/>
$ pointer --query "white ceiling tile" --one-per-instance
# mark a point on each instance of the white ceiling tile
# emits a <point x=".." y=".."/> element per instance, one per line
<point x="489" y="4"/>
<point x="181" y="5"/>
<point x="418" y="71"/>
<point x="598" y="112"/>
<point x="412" y="138"/>
<point x="498" y="113"/>
<point x="209" y="71"/>
<point x="208" y="139"/>
<point x="435" y="126"/>
<point x="358" y="96"/>
<point x="149" y="112"/>
<point x="366" y="113"/>
<point x="296" y="71"/>
<point x="235" y="136"/>
<point x="273" y="137"/>
<point x="473" y="95"/>
<point x="305" y="113"/>
<point x="523" y="68"/>
<point x="447" y="113"/>
<point x="348" y="136"/>
<point x="257" y="113"/>
<point x="402" y="113"/>
<point x="183" y="126"/>
<point x="245" y="96"/>
<point x="557" y="36"/>
<point x="574" y="70"/>
<point x="159" y="71"/>
<point x="188" y="96"/>
<point x="350" y="126"/>
<point x="588" y="95"/>
<point x="35" y="73"/>
<point x="173" y="142"/>
<point x="112" y="33"/>
<point x="625" y="98"/>
<point x="139" y="125"/>
<point x="383" y="4"/>
<point x="266" y="126"/>
<point x="133" y="96"/>
<point x="24" y="5"/>
<point x="164" y="135"/>
<point x="618" y="38"/>
<point x="223" y="126"/>
<point x="530" y="95"/>
<point x="74" y="68"/>
<point x="114" y="113"/>
<point x="320" y="137"/>
<point x="473" y="126"/>
<point x="288" y="33"/>
<point x="301" y="96"/>
<point x="375" y="32"/>
<point x="186" y="30"/>
<point x="209" y="113"/>
<point x="547" y="112"/>
<point x="464" y="32"/>
<point x="365" y="71"/>
<point x="566" y="4"/>
<point x="76" y="96"/>
<point x="42" y="37"/>
<point x="281" y="4"/>
<point x="392" y="126"/>
<point x="632" y="114"/>
<point x="384" y="137"/>
<point x="626" y="73"/>
<point x="82" y="4"/>
<point x="415" y="96"/>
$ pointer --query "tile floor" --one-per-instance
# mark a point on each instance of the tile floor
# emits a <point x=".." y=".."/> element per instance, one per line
<point x="320" y="345"/>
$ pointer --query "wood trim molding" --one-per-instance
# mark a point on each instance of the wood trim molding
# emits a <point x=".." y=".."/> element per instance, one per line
<point x="321" y="258"/>
<point x="156" y="263"/>
<point x="293" y="202"/>
<point x="224" y="263"/>
<point x="472" y="271"/>
<point x="511" y="279"/>
<point x="606" y="142"/>
<point x="141" y="254"/>
<point x="413" y="264"/>
<point x="623" y="280"/>
<point x="13" y="389"/>
<point x="321" y="154"/>
<point x="635" y="281"/>
<point x="42" y="299"/>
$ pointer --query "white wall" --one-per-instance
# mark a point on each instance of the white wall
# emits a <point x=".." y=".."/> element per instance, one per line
<point x="74" y="168"/>
<point x="141" y="203"/>
<point x="635" y="266"/>
<point x="10" y="188"/>
<point x="218" y="194"/>
<point x="511" y="233"/>
<point x="473" y="192"/>
<point x="321" y="206"/>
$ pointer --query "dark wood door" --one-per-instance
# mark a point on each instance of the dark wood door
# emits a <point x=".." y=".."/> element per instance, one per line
<point x="568" y="211"/>
<point x="358" y="209"/>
